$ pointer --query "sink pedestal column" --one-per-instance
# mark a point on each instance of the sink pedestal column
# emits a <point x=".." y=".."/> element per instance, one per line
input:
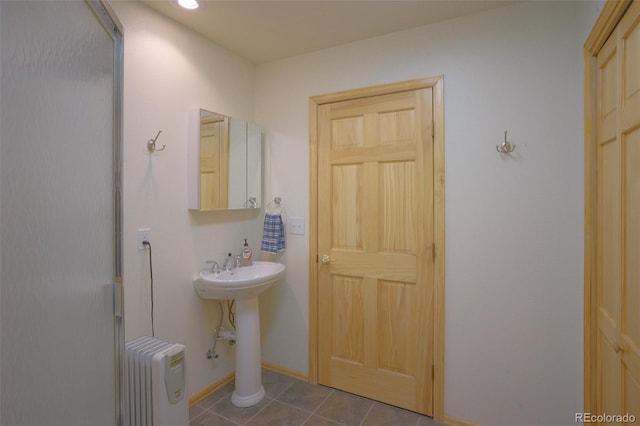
<point x="249" y="390"/>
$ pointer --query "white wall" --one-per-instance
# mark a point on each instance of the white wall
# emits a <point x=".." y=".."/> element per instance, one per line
<point x="169" y="70"/>
<point x="514" y="226"/>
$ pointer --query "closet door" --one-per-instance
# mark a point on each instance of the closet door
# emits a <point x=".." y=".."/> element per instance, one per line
<point x="629" y="51"/>
<point x="618" y="279"/>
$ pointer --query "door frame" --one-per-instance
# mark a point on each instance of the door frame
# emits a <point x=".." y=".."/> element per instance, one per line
<point x="112" y="25"/>
<point x="605" y="24"/>
<point x="437" y="85"/>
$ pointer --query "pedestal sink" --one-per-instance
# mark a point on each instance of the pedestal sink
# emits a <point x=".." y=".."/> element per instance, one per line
<point x="243" y="284"/>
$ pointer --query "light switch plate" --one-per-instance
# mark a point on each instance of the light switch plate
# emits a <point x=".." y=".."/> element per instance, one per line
<point x="296" y="225"/>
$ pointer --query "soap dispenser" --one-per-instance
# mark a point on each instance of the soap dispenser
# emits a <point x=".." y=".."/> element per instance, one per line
<point x="247" y="254"/>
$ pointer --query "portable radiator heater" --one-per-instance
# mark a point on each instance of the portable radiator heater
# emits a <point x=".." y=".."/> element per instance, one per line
<point x="155" y="383"/>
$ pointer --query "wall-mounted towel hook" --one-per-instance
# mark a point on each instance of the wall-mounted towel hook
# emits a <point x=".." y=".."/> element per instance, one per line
<point x="505" y="147"/>
<point x="151" y="144"/>
<point x="275" y="205"/>
<point x="251" y="203"/>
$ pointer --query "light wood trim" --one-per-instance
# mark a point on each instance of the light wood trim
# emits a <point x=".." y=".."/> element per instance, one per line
<point x="439" y="267"/>
<point x="313" y="242"/>
<point x="210" y="389"/>
<point x="606" y="22"/>
<point x="382" y="89"/>
<point x="228" y="378"/>
<point x="285" y="371"/>
<point x="590" y="232"/>
<point x="437" y="84"/>
<point x="602" y="29"/>
<point x="453" y="421"/>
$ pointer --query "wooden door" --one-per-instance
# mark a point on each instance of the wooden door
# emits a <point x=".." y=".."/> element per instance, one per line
<point x="376" y="240"/>
<point x="214" y="162"/>
<point x="618" y="223"/>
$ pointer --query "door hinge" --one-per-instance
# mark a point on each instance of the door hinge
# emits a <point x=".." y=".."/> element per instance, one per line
<point x="433" y="129"/>
<point x="433" y="250"/>
<point x="433" y="372"/>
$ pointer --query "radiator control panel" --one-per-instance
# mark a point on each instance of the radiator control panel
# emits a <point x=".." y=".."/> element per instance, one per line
<point x="174" y="374"/>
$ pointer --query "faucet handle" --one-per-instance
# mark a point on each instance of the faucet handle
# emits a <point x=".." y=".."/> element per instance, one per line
<point x="215" y="268"/>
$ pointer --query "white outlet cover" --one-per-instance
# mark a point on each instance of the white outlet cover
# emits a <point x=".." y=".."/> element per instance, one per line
<point x="144" y="234"/>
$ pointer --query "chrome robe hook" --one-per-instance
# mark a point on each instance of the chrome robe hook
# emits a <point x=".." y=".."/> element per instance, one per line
<point x="506" y="147"/>
<point x="151" y="143"/>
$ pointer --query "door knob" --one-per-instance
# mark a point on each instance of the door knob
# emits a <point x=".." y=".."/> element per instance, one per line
<point x="326" y="259"/>
<point x="618" y="348"/>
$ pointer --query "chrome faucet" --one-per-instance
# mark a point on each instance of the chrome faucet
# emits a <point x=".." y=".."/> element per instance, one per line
<point x="232" y="262"/>
<point x="215" y="268"/>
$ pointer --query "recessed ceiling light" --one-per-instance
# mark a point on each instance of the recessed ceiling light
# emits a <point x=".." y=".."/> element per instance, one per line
<point x="188" y="4"/>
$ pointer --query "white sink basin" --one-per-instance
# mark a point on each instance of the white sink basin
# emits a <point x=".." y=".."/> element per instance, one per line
<point x="241" y="283"/>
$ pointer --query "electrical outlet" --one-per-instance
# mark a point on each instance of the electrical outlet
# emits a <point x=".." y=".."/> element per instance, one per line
<point x="144" y="234"/>
<point x="296" y="225"/>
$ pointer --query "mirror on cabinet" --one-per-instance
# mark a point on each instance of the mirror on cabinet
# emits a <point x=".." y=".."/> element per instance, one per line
<point x="225" y="162"/>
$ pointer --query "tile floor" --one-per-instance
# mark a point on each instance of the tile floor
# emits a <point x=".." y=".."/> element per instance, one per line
<point x="291" y="402"/>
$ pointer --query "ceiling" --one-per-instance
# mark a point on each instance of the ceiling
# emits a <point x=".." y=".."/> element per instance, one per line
<point x="266" y="30"/>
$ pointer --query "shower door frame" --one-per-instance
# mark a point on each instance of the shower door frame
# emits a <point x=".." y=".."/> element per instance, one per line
<point x="107" y="17"/>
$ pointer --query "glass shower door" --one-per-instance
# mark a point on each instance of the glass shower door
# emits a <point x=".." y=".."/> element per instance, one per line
<point x="60" y="337"/>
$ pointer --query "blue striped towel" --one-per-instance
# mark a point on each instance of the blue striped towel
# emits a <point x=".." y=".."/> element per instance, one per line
<point x="273" y="237"/>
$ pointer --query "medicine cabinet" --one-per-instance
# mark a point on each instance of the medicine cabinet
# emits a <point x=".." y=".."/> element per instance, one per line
<point x="225" y="162"/>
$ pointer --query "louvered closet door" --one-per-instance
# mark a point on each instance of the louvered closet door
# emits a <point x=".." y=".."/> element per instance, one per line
<point x="618" y="336"/>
